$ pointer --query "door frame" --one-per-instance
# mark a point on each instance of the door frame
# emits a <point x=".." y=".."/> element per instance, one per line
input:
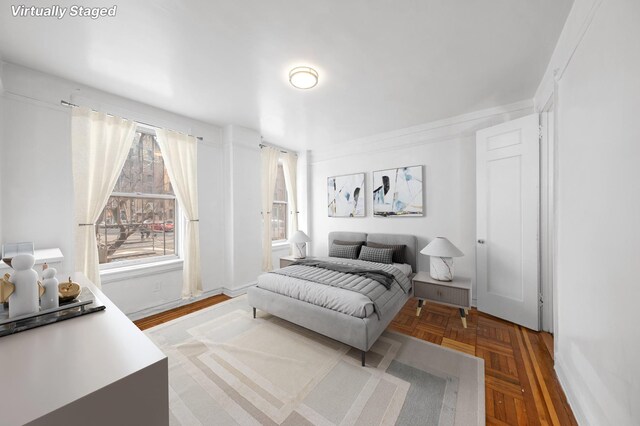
<point x="548" y="205"/>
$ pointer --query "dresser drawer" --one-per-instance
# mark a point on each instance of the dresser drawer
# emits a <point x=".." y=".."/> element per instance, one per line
<point x="442" y="294"/>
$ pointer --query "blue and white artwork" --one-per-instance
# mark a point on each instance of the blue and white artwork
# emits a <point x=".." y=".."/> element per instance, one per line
<point x="346" y="195"/>
<point x="398" y="192"/>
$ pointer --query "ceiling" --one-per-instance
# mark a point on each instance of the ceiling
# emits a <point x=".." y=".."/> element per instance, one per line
<point x="383" y="65"/>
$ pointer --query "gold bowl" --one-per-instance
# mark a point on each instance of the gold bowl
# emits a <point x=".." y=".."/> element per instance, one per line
<point x="68" y="291"/>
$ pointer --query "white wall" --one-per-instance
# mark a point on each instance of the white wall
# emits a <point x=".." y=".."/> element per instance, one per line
<point x="243" y="227"/>
<point x="243" y="208"/>
<point x="446" y="149"/>
<point x="37" y="187"/>
<point x="597" y="342"/>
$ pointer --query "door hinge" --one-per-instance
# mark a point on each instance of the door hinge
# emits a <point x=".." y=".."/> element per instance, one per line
<point x="540" y="130"/>
<point x="540" y="299"/>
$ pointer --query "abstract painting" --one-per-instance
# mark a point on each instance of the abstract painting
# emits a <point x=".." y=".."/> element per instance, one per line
<point x="346" y="195"/>
<point x="398" y="192"/>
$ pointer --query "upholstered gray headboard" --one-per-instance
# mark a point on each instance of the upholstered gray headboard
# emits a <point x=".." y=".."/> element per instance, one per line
<point x="347" y="236"/>
<point x="408" y="240"/>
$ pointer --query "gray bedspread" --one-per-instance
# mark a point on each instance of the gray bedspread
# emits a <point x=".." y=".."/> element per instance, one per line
<point x="381" y="297"/>
<point x="384" y="278"/>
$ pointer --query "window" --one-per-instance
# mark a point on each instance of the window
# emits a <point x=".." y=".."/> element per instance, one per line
<point x="280" y="208"/>
<point x="138" y="222"/>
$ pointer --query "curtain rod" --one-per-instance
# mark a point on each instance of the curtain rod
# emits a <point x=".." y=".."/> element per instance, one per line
<point x="69" y="104"/>
<point x="262" y="145"/>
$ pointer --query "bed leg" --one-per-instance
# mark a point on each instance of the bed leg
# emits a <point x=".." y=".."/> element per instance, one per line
<point x="363" y="355"/>
<point x="254" y="313"/>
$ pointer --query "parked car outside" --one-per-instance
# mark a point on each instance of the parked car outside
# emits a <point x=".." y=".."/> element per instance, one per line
<point x="167" y="226"/>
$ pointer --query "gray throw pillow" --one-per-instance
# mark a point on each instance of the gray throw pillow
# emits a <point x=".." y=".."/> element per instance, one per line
<point x="346" y="252"/>
<point x="350" y="243"/>
<point x="379" y="255"/>
<point x="398" y="250"/>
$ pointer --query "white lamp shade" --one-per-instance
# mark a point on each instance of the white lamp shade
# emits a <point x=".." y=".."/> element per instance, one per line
<point x="299" y="237"/>
<point x="441" y="247"/>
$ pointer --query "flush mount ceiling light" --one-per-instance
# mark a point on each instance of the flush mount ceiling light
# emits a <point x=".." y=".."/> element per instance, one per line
<point x="303" y="77"/>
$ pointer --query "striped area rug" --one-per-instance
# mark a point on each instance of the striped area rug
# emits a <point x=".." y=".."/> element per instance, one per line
<point x="226" y="368"/>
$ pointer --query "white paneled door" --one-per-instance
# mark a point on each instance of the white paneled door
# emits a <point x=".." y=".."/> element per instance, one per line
<point x="508" y="199"/>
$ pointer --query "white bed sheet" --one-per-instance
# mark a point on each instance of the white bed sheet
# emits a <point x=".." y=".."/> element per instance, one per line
<point x="404" y="267"/>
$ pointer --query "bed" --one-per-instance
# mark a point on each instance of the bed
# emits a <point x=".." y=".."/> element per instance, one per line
<point x="334" y="311"/>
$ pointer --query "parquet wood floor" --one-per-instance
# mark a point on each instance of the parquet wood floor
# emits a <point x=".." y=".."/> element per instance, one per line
<point x="521" y="387"/>
<point x="174" y="313"/>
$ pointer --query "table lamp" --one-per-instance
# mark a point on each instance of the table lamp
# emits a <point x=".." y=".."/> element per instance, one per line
<point x="299" y="240"/>
<point x="441" y="252"/>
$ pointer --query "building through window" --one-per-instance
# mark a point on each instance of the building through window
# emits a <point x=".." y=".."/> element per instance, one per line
<point x="280" y="208"/>
<point x="139" y="220"/>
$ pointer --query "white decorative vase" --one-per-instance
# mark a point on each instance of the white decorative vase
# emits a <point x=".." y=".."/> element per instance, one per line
<point x="49" y="299"/>
<point x="441" y="268"/>
<point x="24" y="299"/>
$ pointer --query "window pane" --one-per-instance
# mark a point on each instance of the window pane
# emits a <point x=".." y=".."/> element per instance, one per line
<point x="144" y="169"/>
<point x="280" y="192"/>
<point x="133" y="226"/>
<point x="279" y="210"/>
<point x="279" y="222"/>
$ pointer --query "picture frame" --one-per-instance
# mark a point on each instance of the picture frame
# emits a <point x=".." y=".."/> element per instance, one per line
<point x="346" y="195"/>
<point x="398" y="192"/>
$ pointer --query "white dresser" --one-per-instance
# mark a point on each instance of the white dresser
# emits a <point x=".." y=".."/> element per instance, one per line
<point x="107" y="372"/>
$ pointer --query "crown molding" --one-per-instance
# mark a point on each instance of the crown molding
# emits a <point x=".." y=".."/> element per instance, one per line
<point x="451" y="128"/>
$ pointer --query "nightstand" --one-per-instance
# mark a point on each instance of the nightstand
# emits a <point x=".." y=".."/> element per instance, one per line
<point x="288" y="260"/>
<point x="456" y="293"/>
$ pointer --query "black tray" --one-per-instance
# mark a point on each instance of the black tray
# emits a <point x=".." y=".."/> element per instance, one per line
<point x="84" y="304"/>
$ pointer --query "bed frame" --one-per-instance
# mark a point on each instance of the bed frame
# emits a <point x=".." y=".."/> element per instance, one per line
<point x="360" y="333"/>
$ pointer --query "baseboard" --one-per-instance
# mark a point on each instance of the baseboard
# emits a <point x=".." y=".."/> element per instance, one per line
<point x="238" y="291"/>
<point x="133" y="316"/>
<point x="578" y="412"/>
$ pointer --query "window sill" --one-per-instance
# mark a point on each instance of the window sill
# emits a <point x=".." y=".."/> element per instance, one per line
<point x="280" y="244"/>
<point x="145" y="269"/>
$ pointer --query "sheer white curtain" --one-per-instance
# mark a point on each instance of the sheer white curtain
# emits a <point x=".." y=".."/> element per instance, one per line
<point x="100" y="145"/>
<point x="290" y="166"/>
<point x="269" y="160"/>
<point x="180" y="154"/>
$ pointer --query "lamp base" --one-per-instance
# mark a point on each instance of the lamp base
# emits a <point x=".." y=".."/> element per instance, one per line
<point x="441" y="268"/>
<point x="299" y="250"/>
